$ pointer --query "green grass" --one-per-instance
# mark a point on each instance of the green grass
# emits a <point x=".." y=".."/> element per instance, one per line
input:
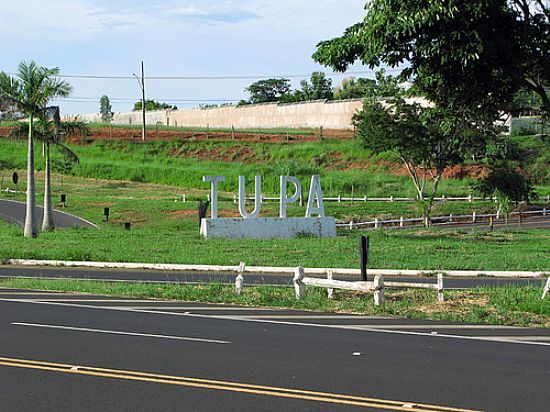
<point x="180" y="243"/>
<point x="164" y="231"/>
<point x="140" y="182"/>
<point x="175" y="163"/>
<point x="515" y="306"/>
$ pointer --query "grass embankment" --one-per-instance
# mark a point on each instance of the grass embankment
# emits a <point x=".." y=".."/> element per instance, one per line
<point x="344" y="165"/>
<point x="516" y="306"/>
<point x="182" y="163"/>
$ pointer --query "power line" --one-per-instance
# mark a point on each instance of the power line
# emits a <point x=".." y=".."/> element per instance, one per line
<point x="132" y="100"/>
<point x="236" y="77"/>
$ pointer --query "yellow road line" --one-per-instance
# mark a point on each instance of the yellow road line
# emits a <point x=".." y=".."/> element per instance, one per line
<point x="228" y="386"/>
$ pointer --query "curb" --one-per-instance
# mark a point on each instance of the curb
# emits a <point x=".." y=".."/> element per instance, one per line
<point x="271" y="270"/>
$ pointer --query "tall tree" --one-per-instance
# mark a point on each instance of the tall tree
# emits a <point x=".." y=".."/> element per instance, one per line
<point x="105" y="109"/>
<point x="319" y="87"/>
<point x="467" y="55"/>
<point x="51" y="133"/>
<point x="31" y="90"/>
<point x="352" y="88"/>
<point x="268" y="90"/>
<point x="425" y="139"/>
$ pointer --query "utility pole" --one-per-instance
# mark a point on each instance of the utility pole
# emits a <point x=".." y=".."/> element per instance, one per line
<point x="142" y="87"/>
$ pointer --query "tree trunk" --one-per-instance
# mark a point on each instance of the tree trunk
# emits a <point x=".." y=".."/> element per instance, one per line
<point x="31" y="224"/>
<point x="47" y="223"/>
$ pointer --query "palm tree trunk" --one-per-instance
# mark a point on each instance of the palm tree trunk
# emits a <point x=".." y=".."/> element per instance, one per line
<point x="31" y="225"/>
<point x="47" y="223"/>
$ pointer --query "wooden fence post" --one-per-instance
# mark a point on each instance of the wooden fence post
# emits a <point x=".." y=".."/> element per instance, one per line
<point x="330" y="290"/>
<point x="440" y="295"/>
<point x="379" y="295"/>
<point x="239" y="280"/>
<point x="546" y="288"/>
<point x="299" y="287"/>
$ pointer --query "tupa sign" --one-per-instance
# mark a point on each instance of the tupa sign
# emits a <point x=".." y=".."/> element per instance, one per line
<point x="251" y="225"/>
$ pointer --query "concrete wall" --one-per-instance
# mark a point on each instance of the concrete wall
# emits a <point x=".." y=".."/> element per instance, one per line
<point x="328" y="114"/>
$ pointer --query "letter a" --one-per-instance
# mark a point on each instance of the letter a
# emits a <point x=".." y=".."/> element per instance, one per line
<point x="315" y="193"/>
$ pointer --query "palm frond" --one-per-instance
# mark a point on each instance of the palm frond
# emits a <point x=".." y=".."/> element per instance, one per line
<point x="68" y="153"/>
<point x="19" y="131"/>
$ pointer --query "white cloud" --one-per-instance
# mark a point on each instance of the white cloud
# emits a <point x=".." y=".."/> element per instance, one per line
<point x="189" y="11"/>
<point x="173" y="37"/>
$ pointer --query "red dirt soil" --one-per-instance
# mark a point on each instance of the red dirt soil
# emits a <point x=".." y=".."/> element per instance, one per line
<point x="119" y="133"/>
<point x="246" y="154"/>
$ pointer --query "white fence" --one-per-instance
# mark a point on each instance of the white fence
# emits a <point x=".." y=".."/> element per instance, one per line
<point x="378" y="286"/>
<point x="340" y="199"/>
<point x="438" y="220"/>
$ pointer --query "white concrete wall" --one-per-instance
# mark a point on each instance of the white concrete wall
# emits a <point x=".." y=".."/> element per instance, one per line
<point x="328" y="114"/>
<point x="267" y="228"/>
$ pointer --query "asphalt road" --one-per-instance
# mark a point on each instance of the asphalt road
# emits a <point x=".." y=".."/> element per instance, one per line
<point x="159" y="276"/>
<point x="91" y="353"/>
<point x="14" y="212"/>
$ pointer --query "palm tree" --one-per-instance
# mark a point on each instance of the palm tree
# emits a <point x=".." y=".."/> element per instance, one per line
<point x="51" y="133"/>
<point x="30" y="91"/>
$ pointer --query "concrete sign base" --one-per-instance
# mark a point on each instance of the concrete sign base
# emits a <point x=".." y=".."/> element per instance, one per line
<point x="268" y="228"/>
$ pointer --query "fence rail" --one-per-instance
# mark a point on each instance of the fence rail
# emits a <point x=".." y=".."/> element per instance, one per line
<point x="378" y="286"/>
<point x="439" y="220"/>
<point x="340" y="199"/>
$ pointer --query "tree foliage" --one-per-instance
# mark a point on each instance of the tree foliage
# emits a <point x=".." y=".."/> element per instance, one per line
<point x="508" y="182"/>
<point x="152" y="105"/>
<point x="467" y="55"/>
<point x="268" y="90"/>
<point x="30" y="91"/>
<point x="352" y="88"/>
<point x="318" y="87"/>
<point x="426" y="139"/>
<point x="105" y="109"/>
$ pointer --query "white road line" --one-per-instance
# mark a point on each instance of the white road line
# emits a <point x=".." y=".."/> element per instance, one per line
<point x="164" y="306"/>
<point x="40" y="293"/>
<point x="94" y="300"/>
<point x="528" y="338"/>
<point x="436" y="326"/>
<point x="312" y="317"/>
<point x="278" y="322"/>
<point x="114" y="332"/>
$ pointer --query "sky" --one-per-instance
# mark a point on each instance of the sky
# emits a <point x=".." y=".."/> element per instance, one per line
<point x="175" y="38"/>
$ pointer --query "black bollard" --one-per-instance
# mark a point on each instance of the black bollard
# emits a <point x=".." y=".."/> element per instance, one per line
<point x="364" y="254"/>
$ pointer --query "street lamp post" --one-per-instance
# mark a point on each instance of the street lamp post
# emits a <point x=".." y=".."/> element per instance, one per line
<point x="141" y="83"/>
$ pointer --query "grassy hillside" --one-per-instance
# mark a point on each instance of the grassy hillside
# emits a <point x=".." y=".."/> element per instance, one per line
<point x="343" y="165"/>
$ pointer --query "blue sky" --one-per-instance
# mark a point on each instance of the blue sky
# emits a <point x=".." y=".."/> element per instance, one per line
<point x="174" y="38"/>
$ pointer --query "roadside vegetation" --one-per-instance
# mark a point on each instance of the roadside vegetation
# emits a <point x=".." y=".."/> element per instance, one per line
<point x="164" y="230"/>
<point x="344" y="166"/>
<point x="513" y="306"/>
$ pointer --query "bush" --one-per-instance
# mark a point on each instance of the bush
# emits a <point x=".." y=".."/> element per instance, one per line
<point x="509" y="182"/>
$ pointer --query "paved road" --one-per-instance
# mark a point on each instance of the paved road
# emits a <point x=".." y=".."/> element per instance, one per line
<point x="158" y="276"/>
<point x="83" y="352"/>
<point x="14" y="212"/>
